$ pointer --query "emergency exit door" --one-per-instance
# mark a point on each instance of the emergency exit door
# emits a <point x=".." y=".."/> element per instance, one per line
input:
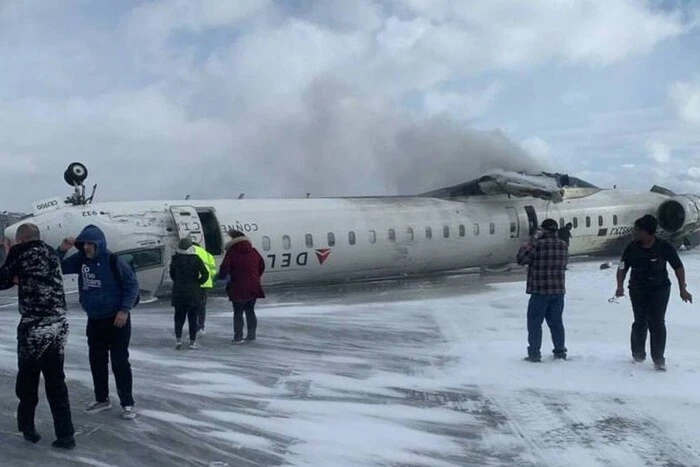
<point x="514" y="222"/>
<point x="188" y="224"/>
<point x="531" y="220"/>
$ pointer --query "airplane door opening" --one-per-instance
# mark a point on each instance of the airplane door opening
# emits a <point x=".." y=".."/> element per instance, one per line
<point x="212" y="231"/>
<point x="531" y="219"/>
<point x="514" y="222"/>
<point x="188" y="224"/>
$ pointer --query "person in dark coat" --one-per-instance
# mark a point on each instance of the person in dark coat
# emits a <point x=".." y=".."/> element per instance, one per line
<point x="565" y="233"/>
<point x="650" y="288"/>
<point x="188" y="273"/>
<point x="244" y="266"/>
<point x="42" y="333"/>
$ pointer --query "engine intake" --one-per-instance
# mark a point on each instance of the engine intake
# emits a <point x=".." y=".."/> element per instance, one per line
<point x="679" y="214"/>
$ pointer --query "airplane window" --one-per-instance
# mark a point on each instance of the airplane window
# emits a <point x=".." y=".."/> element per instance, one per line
<point x="409" y="231"/>
<point x="428" y="232"/>
<point x="600" y="221"/>
<point x="446" y="231"/>
<point x="331" y="239"/>
<point x="588" y="221"/>
<point x="309" y="239"/>
<point x="492" y="228"/>
<point x="286" y="242"/>
<point x="372" y="236"/>
<point x="266" y="243"/>
<point x="462" y="230"/>
<point x="392" y="235"/>
<point x="561" y="223"/>
<point x="476" y="229"/>
<point x="351" y="238"/>
<point x="575" y="222"/>
<point x="615" y="219"/>
<point x="143" y="259"/>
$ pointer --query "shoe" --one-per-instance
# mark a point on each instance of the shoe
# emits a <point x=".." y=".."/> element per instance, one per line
<point x="250" y="339"/>
<point x="193" y="345"/>
<point x="237" y="341"/>
<point x="64" y="443"/>
<point x="560" y="356"/>
<point x="660" y="366"/>
<point x="533" y="359"/>
<point x="98" y="407"/>
<point x="32" y="436"/>
<point x="639" y="358"/>
<point x="128" y="412"/>
<point x="178" y="345"/>
<point x="201" y="333"/>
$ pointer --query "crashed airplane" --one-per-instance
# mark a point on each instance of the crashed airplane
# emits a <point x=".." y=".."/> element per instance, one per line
<point x="480" y="223"/>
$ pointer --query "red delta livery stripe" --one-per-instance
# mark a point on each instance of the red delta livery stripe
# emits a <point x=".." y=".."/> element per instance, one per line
<point x="322" y="255"/>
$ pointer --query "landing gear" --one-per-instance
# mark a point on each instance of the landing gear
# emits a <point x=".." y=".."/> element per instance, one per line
<point x="75" y="175"/>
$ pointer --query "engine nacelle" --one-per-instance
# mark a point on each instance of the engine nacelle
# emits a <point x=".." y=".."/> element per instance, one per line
<point x="680" y="214"/>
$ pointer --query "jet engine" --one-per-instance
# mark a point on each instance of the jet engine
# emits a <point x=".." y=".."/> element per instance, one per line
<point x="679" y="215"/>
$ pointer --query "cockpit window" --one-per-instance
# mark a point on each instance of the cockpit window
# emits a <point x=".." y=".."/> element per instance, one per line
<point x="143" y="259"/>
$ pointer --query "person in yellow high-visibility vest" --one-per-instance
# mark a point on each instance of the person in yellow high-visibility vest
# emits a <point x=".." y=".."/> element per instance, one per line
<point x="210" y="263"/>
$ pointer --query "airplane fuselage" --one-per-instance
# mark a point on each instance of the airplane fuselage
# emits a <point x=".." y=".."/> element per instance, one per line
<point x="328" y="240"/>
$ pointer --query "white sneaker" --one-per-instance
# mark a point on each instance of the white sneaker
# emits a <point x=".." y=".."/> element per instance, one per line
<point x="128" y="413"/>
<point x="201" y="333"/>
<point x="98" y="407"/>
<point x="178" y="345"/>
<point x="193" y="345"/>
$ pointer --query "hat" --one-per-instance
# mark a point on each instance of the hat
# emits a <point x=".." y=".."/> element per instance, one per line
<point x="185" y="244"/>
<point x="550" y="224"/>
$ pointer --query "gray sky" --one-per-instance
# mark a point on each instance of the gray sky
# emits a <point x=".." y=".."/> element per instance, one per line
<point x="334" y="97"/>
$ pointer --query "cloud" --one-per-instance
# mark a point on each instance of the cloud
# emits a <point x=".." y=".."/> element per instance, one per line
<point x="685" y="99"/>
<point x="659" y="152"/>
<point x="274" y="98"/>
<point x="537" y="147"/>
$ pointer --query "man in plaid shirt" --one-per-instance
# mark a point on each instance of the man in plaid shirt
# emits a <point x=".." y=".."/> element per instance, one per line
<point x="546" y="256"/>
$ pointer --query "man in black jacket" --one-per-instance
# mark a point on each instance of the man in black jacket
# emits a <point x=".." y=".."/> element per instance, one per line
<point x="41" y="335"/>
<point x="188" y="273"/>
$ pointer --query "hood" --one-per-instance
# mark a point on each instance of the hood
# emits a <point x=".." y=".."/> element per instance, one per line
<point x="92" y="234"/>
<point x="188" y="251"/>
<point x="240" y="244"/>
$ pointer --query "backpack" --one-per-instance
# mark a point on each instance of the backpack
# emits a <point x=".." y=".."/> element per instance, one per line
<point x="115" y="272"/>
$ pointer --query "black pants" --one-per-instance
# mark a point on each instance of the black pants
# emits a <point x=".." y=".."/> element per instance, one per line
<point x="105" y="340"/>
<point x="27" y="390"/>
<point x="191" y="313"/>
<point x="251" y="320"/>
<point x="202" y="313"/>
<point x="649" y="306"/>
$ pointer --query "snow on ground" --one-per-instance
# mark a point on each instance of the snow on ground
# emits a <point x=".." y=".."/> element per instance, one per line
<point x="423" y="372"/>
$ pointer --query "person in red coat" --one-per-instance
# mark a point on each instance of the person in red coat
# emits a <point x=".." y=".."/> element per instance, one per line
<point x="243" y="266"/>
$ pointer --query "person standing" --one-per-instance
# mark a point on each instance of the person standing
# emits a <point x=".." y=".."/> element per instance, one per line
<point x="650" y="288"/>
<point x="244" y="266"/>
<point x="546" y="256"/>
<point x="210" y="263"/>
<point x="565" y="233"/>
<point x="41" y="335"/>
<point x="188" y="273"/>
<point x="108" y="291"/>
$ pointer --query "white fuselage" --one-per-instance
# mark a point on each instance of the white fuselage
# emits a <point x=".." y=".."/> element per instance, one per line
<point x="327" y="240"/>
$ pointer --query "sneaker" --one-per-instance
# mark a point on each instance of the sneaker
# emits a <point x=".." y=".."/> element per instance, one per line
<point x="128" y="413"/>
<point x="560" y="356"/>
<point x="250" y="339"/>
<point x="237" y="341"/>
<point x="64" y="443"/>
<point x="178" y="345"/>
<point x="639" y="358"/>
<point x="201" y="333"/>
<point x="660" y="366"/>
<point x="98" y="407"/>
<point x="193" y="345"/>
<point x="533" y="359"/>
<point x="32" y="436"/>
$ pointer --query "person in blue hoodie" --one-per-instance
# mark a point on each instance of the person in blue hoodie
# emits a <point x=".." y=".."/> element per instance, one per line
<point x="107" y="301"/>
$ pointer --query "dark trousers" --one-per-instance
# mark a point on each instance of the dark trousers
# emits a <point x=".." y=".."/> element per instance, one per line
<point x="251" y="320"/>
<point x="27" y="390"/>
<point x="202" y="313"/>
<point x="649" y="306"/>
<point x="190" y="313"/>
<point x="105" y="340"/>
<point x="551" y="309"/>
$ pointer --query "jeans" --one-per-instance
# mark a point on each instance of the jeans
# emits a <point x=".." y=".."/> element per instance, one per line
<point x="105" y="340"/>
<point x="649" y="306"/>
<point x="551" y="309"/>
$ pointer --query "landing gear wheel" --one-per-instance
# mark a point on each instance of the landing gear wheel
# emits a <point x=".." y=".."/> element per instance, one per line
<point x="75" y="173"/>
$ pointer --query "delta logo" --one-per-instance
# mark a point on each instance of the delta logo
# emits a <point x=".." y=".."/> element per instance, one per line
<point x="322" y="254"/>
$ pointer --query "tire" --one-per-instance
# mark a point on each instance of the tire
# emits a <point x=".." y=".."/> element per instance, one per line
<point x="75" y="173"/>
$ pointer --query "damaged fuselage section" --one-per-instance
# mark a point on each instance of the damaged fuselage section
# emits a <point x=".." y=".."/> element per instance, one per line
<point x="546" y="186"/>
